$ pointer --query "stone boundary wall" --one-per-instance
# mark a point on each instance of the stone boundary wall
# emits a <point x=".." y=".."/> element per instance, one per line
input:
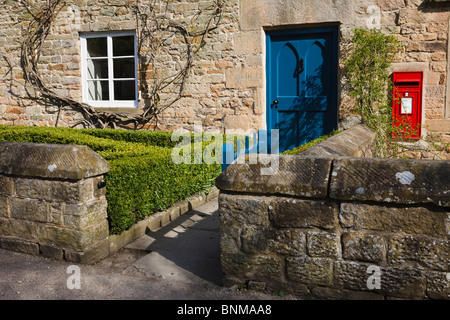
<point x="52" y="203"/>
<point x="338" y="227"/>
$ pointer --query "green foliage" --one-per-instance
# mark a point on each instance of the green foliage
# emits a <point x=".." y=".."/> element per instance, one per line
<point x="150" y="138"/>
<point x="367" y="70"/>
<point x="242" y="286"/>
<point x="310" y="144"/>
<point x="142" y="179"/>
<point x="140" y="186"/>
<point x="279" y="293"/>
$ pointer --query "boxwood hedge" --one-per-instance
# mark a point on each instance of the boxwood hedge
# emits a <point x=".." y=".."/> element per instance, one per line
<point x="143" y="178"/>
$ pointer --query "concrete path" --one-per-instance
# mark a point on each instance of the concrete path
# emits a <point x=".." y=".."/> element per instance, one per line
<point x="186" y="250"/>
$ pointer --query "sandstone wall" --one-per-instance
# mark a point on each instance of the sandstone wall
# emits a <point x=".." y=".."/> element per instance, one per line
<point x="338" y="227"/>
<point x="226" y="87"/>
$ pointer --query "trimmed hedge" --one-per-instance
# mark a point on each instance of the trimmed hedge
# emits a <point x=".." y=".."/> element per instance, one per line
<point x="143" y="178"/>
<point x="149" y="138"/>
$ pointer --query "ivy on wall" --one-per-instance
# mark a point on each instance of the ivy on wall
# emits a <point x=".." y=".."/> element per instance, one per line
<point x="367" y="68"/>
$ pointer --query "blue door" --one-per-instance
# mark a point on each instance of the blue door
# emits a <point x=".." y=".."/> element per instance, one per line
<point x="301" y="84"/>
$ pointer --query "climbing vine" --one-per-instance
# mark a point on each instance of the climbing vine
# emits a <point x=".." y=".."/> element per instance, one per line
<point x="154" y="29"/>
<point x="367" y="67"/>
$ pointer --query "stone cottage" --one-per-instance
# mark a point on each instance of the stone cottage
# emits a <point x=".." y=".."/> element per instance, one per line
<point x="235" y="65"/>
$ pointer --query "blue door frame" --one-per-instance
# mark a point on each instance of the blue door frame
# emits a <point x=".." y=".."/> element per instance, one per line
<point x="302" y="79"/>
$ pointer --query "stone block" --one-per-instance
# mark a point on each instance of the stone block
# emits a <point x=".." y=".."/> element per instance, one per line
<point x="323" y="244"/>
<point x="256" y="285"/>
<point x="254" y="239"/>
<point x="438" y="125"/>
<point x="196" y="201"/>
<point x="297" y="213"/>
<point x="154" y="222"/>
<point x="55" y="213"/>
<point x="174" y="212"/>
<point x="421" y="251"/>
<point x="396" y="282"/>
<point x="268" y="240"/>
<point x="29" y="209"/>
<point x="213" y="194"/>
<point x="19" y="245"/>
<point x="117" y="242"/>
<point x="6" y="186"/>
<point x="363" y="247"/>
<point x="290" y="242"/>
<point x="230" y="239"/>
<point x="4" y="207"/>
<point x="253" y="267"/>
<point x="308" y="270"/>
<point x="163" y="218"/>
<point x="94" y="254"/>
<point x="438" y="285"/>
<point x="288" y="175"/>
<point x="67" y="238"/>
<point x="101" y="230"/>
<point x="19" y="228"/>
<point x="51" y="252"/>
<point x="391" y="218"/>
<point x="258" y="13"/>
<point x="349" y="143"/>
<point x="81" y="216"/>
<point x="247" y="43"/>
<point x="243" y="209"/>
<point x="240" y="124"/>
<point x="389" y="5"/>
<point x="54" y="190"/>
<point x="50" y="161"/>
<point x="325" y="293"/>
<point x="243" y="78"/>
<point x="391" y="180"/>
<point x="184" y="206"/>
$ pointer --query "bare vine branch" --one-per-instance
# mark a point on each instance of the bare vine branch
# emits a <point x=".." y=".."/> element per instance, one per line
<point x="152" y="30"/>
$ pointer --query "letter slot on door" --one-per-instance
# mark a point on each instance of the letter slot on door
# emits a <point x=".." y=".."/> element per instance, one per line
<point x="407" y="104"/>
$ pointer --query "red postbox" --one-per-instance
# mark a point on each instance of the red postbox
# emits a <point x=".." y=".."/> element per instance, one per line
<point x="407" y="104"/>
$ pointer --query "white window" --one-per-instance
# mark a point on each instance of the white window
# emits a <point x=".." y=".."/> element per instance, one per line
<point x="109" y="69"/>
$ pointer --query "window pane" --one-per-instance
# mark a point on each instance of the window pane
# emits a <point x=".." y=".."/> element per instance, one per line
<point x="98" y="90"/>
<point x="124" y="68"/>
<point x="96" y="47"/>
<point x="124" y="90"/>
<point x="97" y="69"/>
<point x="123" y="46"/>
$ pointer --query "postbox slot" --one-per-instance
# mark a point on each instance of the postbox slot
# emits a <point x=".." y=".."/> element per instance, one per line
<point x="407" y="83"/>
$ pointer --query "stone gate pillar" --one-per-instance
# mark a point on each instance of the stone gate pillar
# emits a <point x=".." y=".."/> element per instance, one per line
<point x="52" y="202"/>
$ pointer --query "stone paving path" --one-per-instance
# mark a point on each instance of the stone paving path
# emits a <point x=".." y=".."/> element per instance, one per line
<point x="186" y="250"/>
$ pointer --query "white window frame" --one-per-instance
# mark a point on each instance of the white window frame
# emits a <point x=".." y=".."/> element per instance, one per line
<point x="111" y="103"/>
